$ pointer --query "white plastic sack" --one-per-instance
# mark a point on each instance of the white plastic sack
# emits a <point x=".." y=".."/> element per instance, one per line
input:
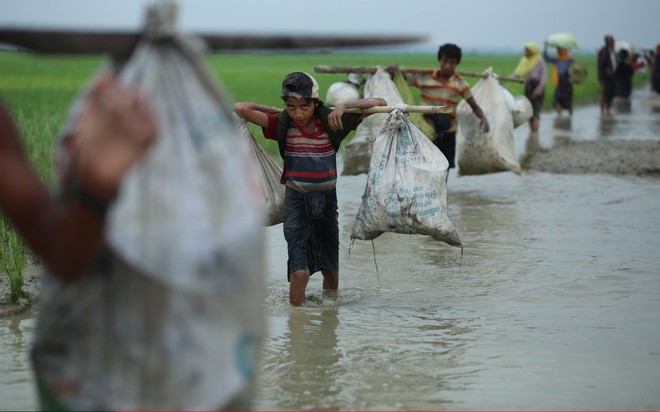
<point x="406" y="186"/>
<point x="340" y="92"/>
<point x="563" y="40"/>
<point x="624" y="45"/>
<point x="269" y="173"/>
<point x="171" y="318"/>
<point x="522" y="110"/>
<point x="520" y="106"/>
<point x="358" y="150"/>
<point x="481" y="153"/>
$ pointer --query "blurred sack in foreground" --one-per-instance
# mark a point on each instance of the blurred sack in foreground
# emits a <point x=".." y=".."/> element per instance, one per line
<point x="171" y="317"/>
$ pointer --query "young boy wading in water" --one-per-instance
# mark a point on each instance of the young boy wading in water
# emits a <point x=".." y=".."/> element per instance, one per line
<point x="308" y="135"/>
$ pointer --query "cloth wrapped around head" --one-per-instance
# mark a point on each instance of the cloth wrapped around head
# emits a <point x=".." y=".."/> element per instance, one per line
<point x="528" y="62"/>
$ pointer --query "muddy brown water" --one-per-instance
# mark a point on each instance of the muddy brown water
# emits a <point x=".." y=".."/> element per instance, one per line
<point x="554" y="304"/>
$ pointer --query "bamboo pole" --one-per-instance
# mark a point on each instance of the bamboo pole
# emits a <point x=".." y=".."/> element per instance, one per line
<point x="409" y="109"/>
<point x="372" y="70"/>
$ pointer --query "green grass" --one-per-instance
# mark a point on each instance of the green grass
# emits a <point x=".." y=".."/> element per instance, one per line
<point x="14" y="258"/>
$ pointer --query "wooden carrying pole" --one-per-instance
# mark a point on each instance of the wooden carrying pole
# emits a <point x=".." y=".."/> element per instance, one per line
<point x="372" y="70"/>
<point x="408" y="109"/>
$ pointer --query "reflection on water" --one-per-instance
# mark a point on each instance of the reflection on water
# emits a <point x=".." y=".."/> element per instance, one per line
<point x="607" y="125"/>
<point x="561" y="130"/>
<point x="656" y="107"/>
<point x="532" y="144"/>
<point x="306" y="369"/>
<point x="16" y="388"/>
<point x="622" y="105"/>
<point x="374" y="358"/>
<point x="562" y="122"/>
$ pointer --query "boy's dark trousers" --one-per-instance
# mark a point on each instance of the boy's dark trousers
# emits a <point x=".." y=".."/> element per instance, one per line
<point x="446" y="142"/>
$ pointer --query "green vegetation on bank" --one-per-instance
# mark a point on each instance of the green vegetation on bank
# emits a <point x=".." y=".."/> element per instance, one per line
<point x="39" y="90"/>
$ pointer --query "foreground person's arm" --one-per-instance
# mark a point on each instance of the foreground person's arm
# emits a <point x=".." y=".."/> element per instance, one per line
<point x="114" y="130"/>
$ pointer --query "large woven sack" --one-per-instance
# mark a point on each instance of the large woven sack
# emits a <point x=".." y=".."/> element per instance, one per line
<point x="171" y="316"/>
<point x="358" y="150"/>
<point x="481" y="153"/>
<point x="406" y="188"/>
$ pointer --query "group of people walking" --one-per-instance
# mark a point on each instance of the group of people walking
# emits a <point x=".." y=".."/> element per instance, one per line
<point x="615" y="73"/>
<point x="533" y="70"/>
<point x="617" y="67"/>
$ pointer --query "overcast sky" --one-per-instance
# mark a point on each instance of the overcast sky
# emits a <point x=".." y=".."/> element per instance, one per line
<point x="471" y="24"/>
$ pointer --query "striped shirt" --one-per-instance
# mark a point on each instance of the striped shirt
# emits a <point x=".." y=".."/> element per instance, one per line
<point x="310" y="161"/>
<point x="434" y="93"/>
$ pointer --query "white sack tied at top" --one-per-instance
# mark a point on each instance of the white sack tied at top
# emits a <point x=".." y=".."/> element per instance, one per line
<point x="191" y="208"/>
<point x="406" y="186"/>
<point x="269" y="174"/>
<point x="520" y="106"/>
<point x="358" y="150"/>
<point x="478" y="152"/>
<point x="341" y="92"/>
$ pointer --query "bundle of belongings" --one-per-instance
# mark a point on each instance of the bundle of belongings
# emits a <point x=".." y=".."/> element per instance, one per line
<point x="406" y="185"/>
<point x="481" y="153"/>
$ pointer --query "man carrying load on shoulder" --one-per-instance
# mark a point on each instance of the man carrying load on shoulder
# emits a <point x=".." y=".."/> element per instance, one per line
<point x="607" y="63"/>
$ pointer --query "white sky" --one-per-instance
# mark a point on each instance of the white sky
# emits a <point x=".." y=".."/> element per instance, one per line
<point x="471" y="23"/>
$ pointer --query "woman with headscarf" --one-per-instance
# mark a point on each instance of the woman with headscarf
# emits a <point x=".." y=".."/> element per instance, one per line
<point x="563" y="97"/>
<point x="532" y="70"/>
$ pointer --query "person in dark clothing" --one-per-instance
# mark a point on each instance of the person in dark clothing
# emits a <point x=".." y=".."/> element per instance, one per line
<point x="655" y="70"/>
<point x="607" y="63"/>
<point x="623" y="75"/>
<point x="562" y="98"/>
